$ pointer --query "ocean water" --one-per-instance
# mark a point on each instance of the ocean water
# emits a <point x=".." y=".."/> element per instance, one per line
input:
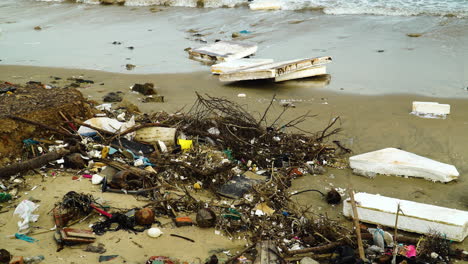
<point x="458" y="8"/>
<point x="372" y="54"/>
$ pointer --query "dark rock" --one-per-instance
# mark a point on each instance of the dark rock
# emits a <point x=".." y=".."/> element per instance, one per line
<point x="74" y="161"/>
<point x="333" y="197"/>
<point x="131" y="48"/>
<point x="213" y="260"/>
<point x="154" y="99"/>
<point x="116" y="43"/>
<point x="130" y="66"/>
<point x="146" y="89"/>
<point x="5" y="256"/>
<point x="206" y="218"/>
<point x="79" y="80"/>
<point x="235" y="35"/>
<point x="112" y="97"/>
<point x="37" y="28"/>
<point x="96" y="249"/>
<point x="380" y="51"/>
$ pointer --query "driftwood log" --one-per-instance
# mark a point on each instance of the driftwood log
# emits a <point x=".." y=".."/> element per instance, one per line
<point x="35" y="163"/>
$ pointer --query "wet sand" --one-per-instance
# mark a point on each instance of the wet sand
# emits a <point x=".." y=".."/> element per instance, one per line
<point x="369" y="123"/>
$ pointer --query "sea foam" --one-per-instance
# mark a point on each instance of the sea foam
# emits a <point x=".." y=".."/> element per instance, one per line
<point x="454" y="8"/>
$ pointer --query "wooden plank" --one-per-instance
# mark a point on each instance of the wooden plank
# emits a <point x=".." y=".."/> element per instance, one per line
<point x="79" y="233"/>
<point x="266" y="253"/>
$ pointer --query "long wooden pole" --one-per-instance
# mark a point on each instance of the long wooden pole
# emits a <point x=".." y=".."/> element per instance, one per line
<point x="356" y="225"/>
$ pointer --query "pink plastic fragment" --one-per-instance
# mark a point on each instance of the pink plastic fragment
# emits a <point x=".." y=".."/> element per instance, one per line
<point x="410" y="251"/>
<point x="87" y="176"/>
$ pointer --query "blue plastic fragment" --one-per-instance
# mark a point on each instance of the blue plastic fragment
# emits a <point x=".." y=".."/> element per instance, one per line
<point x="89" y="134"/>
<point x="112" y="150"/>
<point x="30" y="141"/>
<point x="245" y="32"/>
<point x="25" y="238"/>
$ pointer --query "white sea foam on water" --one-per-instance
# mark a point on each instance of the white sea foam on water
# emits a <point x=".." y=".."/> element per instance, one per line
<point x="457" y="8"/>
<point x="186" y="3"/>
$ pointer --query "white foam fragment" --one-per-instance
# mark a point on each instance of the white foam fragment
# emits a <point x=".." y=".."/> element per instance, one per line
<point x="392" y="161"/>
<point x="428" y="109"/>
<point x="223" y="51"/>
<point x="265" y="5"/>
<point x="416" y="217"/>
<point x="237" y="65"/>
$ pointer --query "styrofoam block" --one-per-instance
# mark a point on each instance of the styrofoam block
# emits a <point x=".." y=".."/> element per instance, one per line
<point x="392" y="161"/>
<point x="416" y="217"/>
<point x="224" y="51"/>
<point x="431" y="108"/>
<point x="237" y="65"/>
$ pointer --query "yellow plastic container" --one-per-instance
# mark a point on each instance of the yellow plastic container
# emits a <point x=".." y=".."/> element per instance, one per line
<point x="185" y="144"/>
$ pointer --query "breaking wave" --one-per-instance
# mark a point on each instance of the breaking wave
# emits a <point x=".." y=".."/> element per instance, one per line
<point x="454" y="8"/>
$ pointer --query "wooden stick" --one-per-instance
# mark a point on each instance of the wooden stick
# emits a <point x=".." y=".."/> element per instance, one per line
<point x="104" y="132"/>
<point x="356" y="225"/>
<point x="240" y="254"/>
<point x="395" y="249"/>
<point x="319" y="249"/>
<point x="34" y="162"/>
<point x="134" y="128"/>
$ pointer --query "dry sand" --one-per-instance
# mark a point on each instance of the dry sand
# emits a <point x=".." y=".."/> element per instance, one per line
<point x="369" y="123"/>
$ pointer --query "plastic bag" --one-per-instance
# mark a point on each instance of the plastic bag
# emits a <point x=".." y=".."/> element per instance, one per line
<point x="25" y="210"/>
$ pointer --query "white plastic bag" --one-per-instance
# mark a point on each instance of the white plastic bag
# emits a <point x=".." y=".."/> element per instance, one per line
<point x="25" y="210"/>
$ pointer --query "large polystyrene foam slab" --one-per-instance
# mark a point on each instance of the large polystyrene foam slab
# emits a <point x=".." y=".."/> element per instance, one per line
<point x="392" y="161"/>
<point x="431" y="108"/>
<point x="416" y="217"/>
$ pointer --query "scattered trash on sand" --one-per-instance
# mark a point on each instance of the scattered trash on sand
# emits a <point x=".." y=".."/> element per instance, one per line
<point x="215" y="166"/>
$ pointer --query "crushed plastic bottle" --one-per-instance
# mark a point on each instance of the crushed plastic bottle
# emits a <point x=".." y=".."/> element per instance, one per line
<point x="34" y="260"/>
<point x="4" y="197"/>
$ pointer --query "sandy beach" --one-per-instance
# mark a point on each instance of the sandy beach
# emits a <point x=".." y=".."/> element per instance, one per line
<point x="377" y="72"/>
<point x="369" y="123"/>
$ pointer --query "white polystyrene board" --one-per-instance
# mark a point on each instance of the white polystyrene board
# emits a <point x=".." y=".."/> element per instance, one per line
<point x="416" y="217"/>
<point x="226" y="50"/>
<point x="392" y="161"/>
<point x="308" y="72"/>
<point x="431" y="108"/>
<point x="265" y="5"/>
<point x="237" y="65"/>
<point x="273" y="70"/>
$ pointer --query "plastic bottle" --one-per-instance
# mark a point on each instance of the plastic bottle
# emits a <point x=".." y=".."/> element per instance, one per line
<point x="34" y="260"/>
<point x="4" y="197"/>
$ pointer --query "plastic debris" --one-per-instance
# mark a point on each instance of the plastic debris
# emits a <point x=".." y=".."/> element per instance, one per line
<point x="25" y="210"/>
<point x="154" y="232"/>
<point x="25" y="238"/>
